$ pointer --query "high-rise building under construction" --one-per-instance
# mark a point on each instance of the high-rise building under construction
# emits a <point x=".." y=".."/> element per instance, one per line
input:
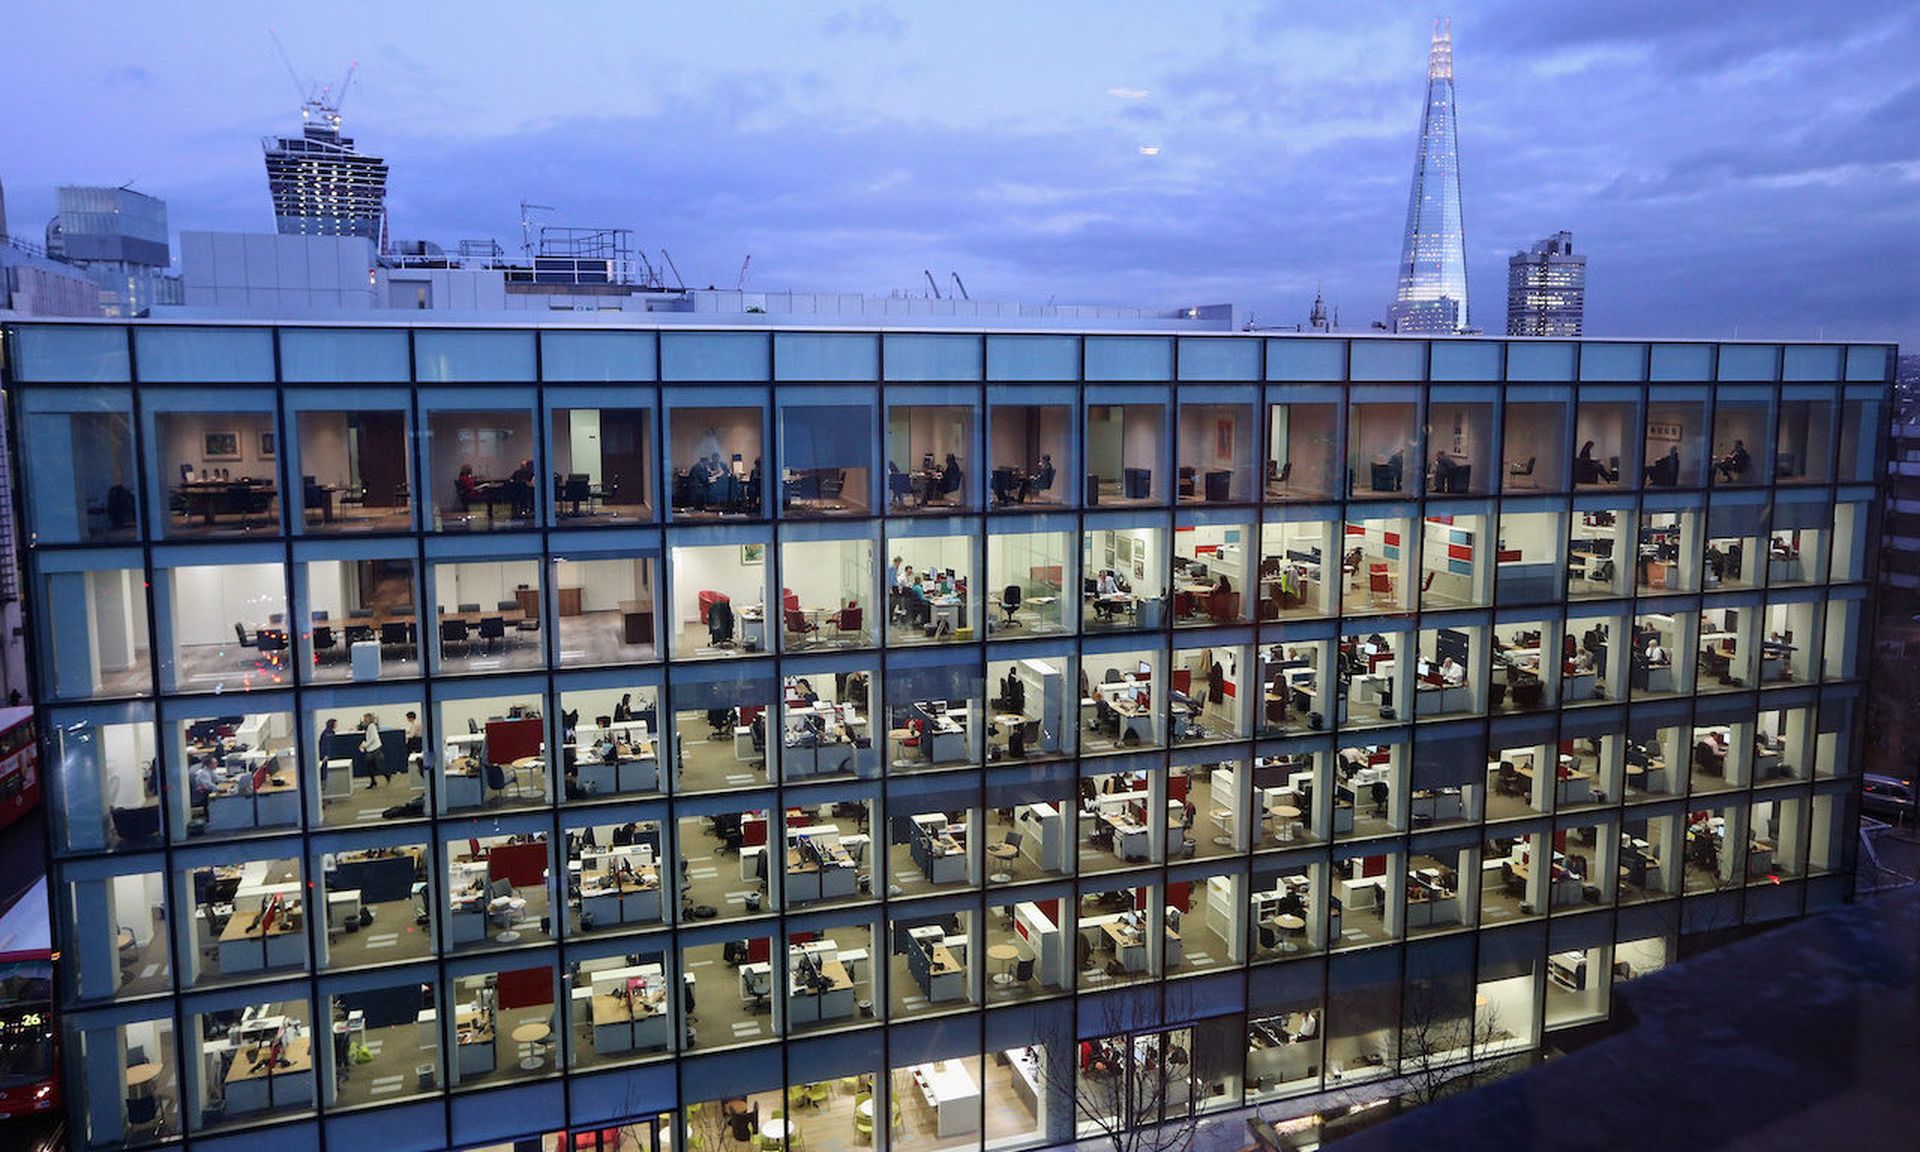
<point x="321" y="185"/>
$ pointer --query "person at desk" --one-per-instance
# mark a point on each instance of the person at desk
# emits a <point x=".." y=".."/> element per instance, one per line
<point x="919" y="611"/>
<point x="1735" y="463"/>
<point x="623" y="711"/>
<point x="1040" y="480"/>
<point x="1582" y="661"/>
<point x="412" y="733"/>
<point x="370" y="749"/>
<point x="1656" y="655"/>
<point x="950" y="475"/>
<point x="520" y="488"/>
<point x="1665" y="472"/>
<point x="468" y="486"/>
<point x="1452" y="673"/>
<point x="201" y="782"/>
<point x="804" y="691"/>
<point x="1587" y="470"/>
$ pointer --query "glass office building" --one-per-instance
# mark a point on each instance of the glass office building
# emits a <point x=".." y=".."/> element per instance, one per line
<point x="465" y="733"/>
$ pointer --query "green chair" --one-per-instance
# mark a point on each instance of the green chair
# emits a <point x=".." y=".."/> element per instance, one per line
<point x="863" y="1128"/>
<point x="816" y="1094"/>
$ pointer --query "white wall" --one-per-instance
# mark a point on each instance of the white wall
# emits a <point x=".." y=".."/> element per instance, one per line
<point x="914" y="432"/>
<point x="715" y="568"/>
<point x="485" y="582"/>
<point x="183" y="441"/>
<point x="936" y="553"/>
<point x="1377" y="432"/>
<point x="208" y="600"/>
<point x="828" y="573"/>
<point x="603" y="584"/>
<point x="735" y="430"/>
<point x="495" y="445"/>
<point x="1146" y="550"/>
<point x="323" y="447"/>
<point x="126" y="749"/>
<point x="134" y="899"/>
<point x="1200" y="442"/>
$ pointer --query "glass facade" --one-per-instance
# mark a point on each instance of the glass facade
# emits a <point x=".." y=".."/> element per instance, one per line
<point x="1179" y="750"/>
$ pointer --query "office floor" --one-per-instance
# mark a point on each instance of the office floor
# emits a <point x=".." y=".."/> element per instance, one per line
<point x="1498" y="904"/>
<point x="597" y="637"/>
<point x="516" y="649"/>
<point x="228" y="667"/>
<point x="999" y="930"/>
<point x="144" y="969"/>
<point x="599" y="512"/>
<point x="513" y="1060"/>
<point x="695" y="640"/>
<point x="369" y="799"/>
<point x="905" y="996"/>
<point x="710" y="878"/>
<point x="904" y="877"/>
<point x="1201" y="945"/>
<point x="392" y="1073"/>
<point x="392" y="936"/>
<point x="360" y="518"/>
<point x="712" y="765"/>
<point x="720" y="1019"/>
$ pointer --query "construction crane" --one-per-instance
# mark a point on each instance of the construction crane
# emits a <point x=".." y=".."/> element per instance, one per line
<point x="315" y="96"/>
<point x="932" y="283"/>
<point x="961" y="285"/>
<point x="526" y="223"/>
<point x="677" y="281"/>
<point x="741" y="283"/>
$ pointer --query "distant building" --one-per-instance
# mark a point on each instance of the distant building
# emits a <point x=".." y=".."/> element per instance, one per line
<point x="321" y="185"/>
<point x="1432" y="294"/>
<point x="31" y="284"/>
<point x="1547" y="289"/>
<point x="119" y="237"/>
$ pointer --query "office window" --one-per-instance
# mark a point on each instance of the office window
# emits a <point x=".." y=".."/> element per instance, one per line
<point x="1596" y="670"/>
<point x="1607" y="430"/>
<point x="122" y="1100"/>
<point x="234" y="774"/>
<point x="1123" y="567"/>
<point x="81" y="353"/>
<point x="942" y="1101"/>
<point x="1853" y="518"/>
<point x="355" y="468"/>
<point x="715" y="457"/>
<point x="236" y="1081"/>
<point x="1792" y="636"/>
<point x="932" y="451"/>
<point x="493" y="753"/>
<point x="1782" y="739"/>
<point x="720" y="727"/>
<point x="829" y="971"/>
<point x="1727" y="644"/>
<point x="1448" y="784"/>
<point x="601" y="463"/>
<point x="1284" y="1037"/>
<point x="1126" y="444"/>
<point x="1455" y="557"/>
<point x="1535" y="443"/>
<point x="1208" y="692"/>
<point x="487" y="615"/>
<point x="1032" y="447"/>
<point x="1461" y="456"/>
<point x="1657" y="746"/>
<point x="1288" y="913"/>
<point x="930" y="961"/>
<point x="1210" y="571"/>
<point x="612" y="739"/>
<point x="105" y="782"/>
<point x="498" y="887"/>
<point x="935" y="713"/>
<point x="1031" y="709"/>
<point x="1363" y="884"/>
<point x="379" y="1039"/>
<point x="623" y="1006"/>
<point x="1676" y="440"/>
<point x="1649" y="855"/>
<point x="1833" y="744"/>
<point x="1803" y="444"/>
<point x="1797" y="547"/>
<point x="1121" y="700"/>
<point x="78" y="448"/>
<point x="1372" y="781"/>
<point x="1044" y="819"/>
<point x="361" y="621"/>
<point x="826" y="454"/>
<point x="1588" y="847"/>
<point x="1029" y="568"/>
<point x="246" y="918"/>
<point x="1118" y="930"/>
<point x="1859" y="448"/>
<point x="1193" y="942"/>
<point x="1295" y="582"/>
<point x="827" y="855"/>
<point x="1435" y="899"/>
<point x="223" y="626"/>
<point x="1368" y="662"/>
<point x="1602" y="551"/>
<point x="376" y="886"/>
<point x="1116" y="828"/>
<point x="719" y="598"/>
<point x="219" y="470"/>
<point x="481" y="474"/>
<point x="1670" y="547"/>
<point x="826" y="722"/>
<point x="606" y="610"/>
<point x="1734" y="550"/>
<point x="828" y="599"/>
<point x="1841" y="633"/>
<point x="1528" y="552"/>
<point x="1216" y="449"/>
<point x="1664" y="648"/>
<point x="1289" y="697"/>
<point x="367" y="762"/>
<point x="1778" y="850"/>
<point x="616" y="872"/>
<point x="1303" y="446"/>
<point x="1383" y="444"/>
<point x="1290" y="800"/>
<point x="135" y="959"/>
<point x="1718" y="848"/>
<point x="500" y="1021"/>
<point x="1377" y="566"/>
<point x="938" y="565"/>
<point x="723" y="852"/>
<point x="1520" y="877"/>
<point x="1208" y="828"/>
<point x="1723" y="749"/>
<point x="1742" y="436"/>
<point x="1026" y="951"/>
<point x="1530" y="660"/>
<point x="1504" y="1015"/>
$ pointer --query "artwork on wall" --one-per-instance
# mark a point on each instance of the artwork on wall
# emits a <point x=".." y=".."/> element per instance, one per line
<point x="221" y="445"/>
<point x="753" y="553"/>
<point x="1663" y="430"/>
<point x="269" y="441"/>
<point x="1223" y="440"/>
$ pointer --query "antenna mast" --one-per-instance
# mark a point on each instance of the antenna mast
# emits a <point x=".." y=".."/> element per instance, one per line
<point x="526" y="223"/>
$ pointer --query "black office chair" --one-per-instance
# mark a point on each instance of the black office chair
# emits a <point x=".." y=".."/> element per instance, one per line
<point x="453" y="632"/>
<point x="393" y="634"/>
<point x="323" y="640"/>
<point x="1010" y="602"/>
<point x="1023" y="971"/>
<point x="492" y="628"/>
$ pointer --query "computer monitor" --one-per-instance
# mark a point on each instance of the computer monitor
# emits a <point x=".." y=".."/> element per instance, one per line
<point x="1144" y="668"/>
<point x="261" y="775"/>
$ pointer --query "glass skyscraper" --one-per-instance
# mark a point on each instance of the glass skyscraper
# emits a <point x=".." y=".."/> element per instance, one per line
<point x="463" y="732"/>
<point x="1432" y="293"/>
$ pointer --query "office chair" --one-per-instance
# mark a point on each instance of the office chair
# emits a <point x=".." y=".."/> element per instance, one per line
<point x="799" y="628"/>
<point x="323" y="640"/>
<point x="492" y="628"/>
<point x="1010" y="602"/>
<point x="453" y="632"/>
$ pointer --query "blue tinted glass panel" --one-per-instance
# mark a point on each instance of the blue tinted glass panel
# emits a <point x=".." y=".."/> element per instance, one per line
<point x="1681" y="362"/>
<point x="1219" y="358"/>
<point x="1322" y="360"/>
<point x="1811" y="362"/>
<point x="342" y="355"/>
<point x="451" y="356"/>
<point x="1529" y="361"/>
<point x="715" y="356"/>
<point x="825" y="356"/>
<point x="193" y="355"/>
<point x="89" y="355"/>
<point x="1613" y="361"/>
<point x="597" y="356"/>
<point x="1466" y="360"/>
<point x="1033" y="358"/>
<point x="1866" y="362"/>
<point x="1748" y="361"/>
<point x="1389" y="360"/>
<point x="915" y="357"/>
<point x="1129" y="358"/>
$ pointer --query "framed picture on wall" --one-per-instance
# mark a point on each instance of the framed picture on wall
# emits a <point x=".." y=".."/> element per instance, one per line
<point x="221" y="445"/>
<point x="1223" y="439"/>
<point x="753" y="553"/>
<point x="268" y="442"/>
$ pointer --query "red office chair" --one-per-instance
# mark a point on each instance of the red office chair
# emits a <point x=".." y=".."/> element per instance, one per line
<point x="849" y="619"/>
<point x="1379" y="582"/>
<point x="798" y="625"/>
<point x="789" y="600"/>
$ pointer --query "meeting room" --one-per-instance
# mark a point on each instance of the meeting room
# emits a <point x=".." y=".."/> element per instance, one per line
<point x="601" y="463"/>
<point x="1031" y="440"/>
<point x="1215" y="449"/>
<point x="932" y="450"/>
<point x="1028" y="572"/>
<point x="1303" y="445"/>
<point x="1210" y="562"/>
<point x="715" y="454"/>
<point x="1126" y="440"/>
<point x="928" y="600"/>
<point x="487" y="615"/>
<point x="605" y="608"/>
<point x="362" y="623"/>
<point x="219" y="470"/>
<point x="826" y="455"/>
<point x="354" y="470"/>
<point x="481" y="471"/>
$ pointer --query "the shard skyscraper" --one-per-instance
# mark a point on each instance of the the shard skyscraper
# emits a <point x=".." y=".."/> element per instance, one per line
<point x="1432" y="295"/>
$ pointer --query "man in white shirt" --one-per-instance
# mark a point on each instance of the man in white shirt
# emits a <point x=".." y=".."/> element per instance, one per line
<point x="370" y="748"/>
<point x="1451" y="674"/>
<point x="1656" y="655"/>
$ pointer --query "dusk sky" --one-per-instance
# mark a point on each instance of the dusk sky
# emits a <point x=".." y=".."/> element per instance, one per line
<point x="1724" y="165"/>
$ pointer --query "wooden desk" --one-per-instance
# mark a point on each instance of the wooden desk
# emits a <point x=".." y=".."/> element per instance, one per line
<point x="254" y="1085"/>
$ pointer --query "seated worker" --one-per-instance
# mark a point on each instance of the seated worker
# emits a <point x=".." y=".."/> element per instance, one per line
<point x="1041" y="480"/>
<point x="1587" y="470"/>
<point x="1665" y="472"/>
<point x="1735" y="463"/>
<point x="1452" y="673"/>
<point x="919" y="611"/>
<point x="520" y="488"/>
<point x="1656" y="655"/>
<point x="804" y="691"/>
<point x="467" y="485"/>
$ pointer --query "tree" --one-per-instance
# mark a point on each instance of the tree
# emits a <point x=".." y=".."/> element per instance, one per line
<point x="1444" y="1038"/>
<point x="1136" y="1089"/>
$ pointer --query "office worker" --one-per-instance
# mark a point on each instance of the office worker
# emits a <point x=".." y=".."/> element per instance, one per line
<point x="804" y="691"/>
<point x="467" y="485"/>
<point x="893" y="574"/>
<point x="370" y="748"/>
<point x="623" y="711"/>
<point x="1109" y="584"/>
<point x="520" y="488"/>
<point x="327" y="733"/>
<point x="201" y="781"/>
<point x="1655" y="654"/>
<point x="950" y="475"/>
<point x="1735" y="462"/>
<point x="1043" y="480"/>
<point x="1452" y="674"/>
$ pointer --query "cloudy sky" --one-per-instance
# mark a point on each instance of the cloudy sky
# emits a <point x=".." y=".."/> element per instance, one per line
<point x="1726" y="165"/>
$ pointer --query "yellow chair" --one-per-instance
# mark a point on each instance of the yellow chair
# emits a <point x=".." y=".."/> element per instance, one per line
<point x="851" y="1085"/>
<point x="816" y="1094"/>
<point x="863" y="1128"/>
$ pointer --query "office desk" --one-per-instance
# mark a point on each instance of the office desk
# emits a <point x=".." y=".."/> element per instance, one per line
<point x="946" y="977"/>
<point x="1426" y="908"/>
<point x="624" y="1024"/>
<point x="1129" y="945"/>
<point x="835" y="1002"/>
<point x="209" y="498"/>
<point x="252" y="1085"/>
<point x="473" y="1039"/>
<point x="798" y="761"/>
<point x="283" y="945"/>
<point x="1566" y="886"/>
<point x="620" y="898"/>
<point x="946" y="741"/>
<point x="1432" y="699"/>
<point x="1135" y="719"/>
<point x="274" y="804"/>
<point x="808" y="881"/>
<point x="1579" y="686"/>
<point x="635" y="769"/>
<point x="952" y="1094"/>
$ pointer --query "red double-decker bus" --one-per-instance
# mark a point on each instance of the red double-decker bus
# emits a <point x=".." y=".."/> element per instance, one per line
<point x="29" y="1063"/>
<point x="19" y="765"/>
